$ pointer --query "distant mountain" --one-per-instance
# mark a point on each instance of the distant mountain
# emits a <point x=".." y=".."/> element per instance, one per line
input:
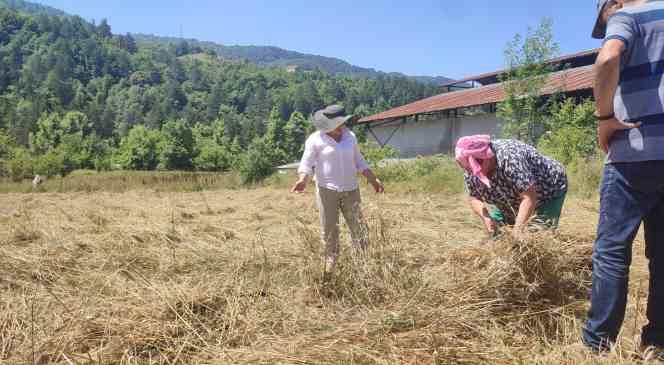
<point x="279" y="57"/>
<point x="31" y="8"/>
<point x="261" y="55"/>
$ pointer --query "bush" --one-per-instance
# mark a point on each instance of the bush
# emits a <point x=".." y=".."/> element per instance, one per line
<point x="7" y="144"/>
<point x="430" y="174"/>
<point x="78" y="152"/>
<point x="19" y="166"/>
<point x="571" y="135"/>
<point x="103" y="163"/>
<point x="140" y="149"/>
<point x="585" y="175"/>
<point x="177" y="146"/>
<point x="374" y="154"/>
<point x="259" y="161"/>
<point x="52" y="163"/>
<point x="212" y="157"/>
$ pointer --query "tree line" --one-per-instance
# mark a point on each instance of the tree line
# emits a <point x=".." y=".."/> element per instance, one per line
<point x="73" y="95"/>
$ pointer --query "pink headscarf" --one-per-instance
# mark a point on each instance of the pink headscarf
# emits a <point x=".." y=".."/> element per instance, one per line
<point x="472" y="148"/>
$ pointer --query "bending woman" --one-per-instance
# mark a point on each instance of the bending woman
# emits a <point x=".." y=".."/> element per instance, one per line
<point x="509" y="182"/>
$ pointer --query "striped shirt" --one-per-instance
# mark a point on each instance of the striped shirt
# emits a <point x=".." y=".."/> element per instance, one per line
<point x="336" y="164"/>
<point x="640" y="93"/>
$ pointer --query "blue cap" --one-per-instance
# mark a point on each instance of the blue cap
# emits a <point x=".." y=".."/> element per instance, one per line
<point x="599" y="31"/>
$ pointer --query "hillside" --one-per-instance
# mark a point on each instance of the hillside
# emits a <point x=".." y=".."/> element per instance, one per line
<point x="31" y="8"/>
<point x="275" y="56"/>
<point x="261" y="55"/>
<point x="75" y="95"/>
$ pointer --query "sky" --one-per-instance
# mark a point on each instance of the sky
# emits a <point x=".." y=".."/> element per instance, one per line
<point x="416" y="37"/>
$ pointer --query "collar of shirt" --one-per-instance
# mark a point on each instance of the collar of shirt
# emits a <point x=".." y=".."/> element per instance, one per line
<point x="344" y="136"/>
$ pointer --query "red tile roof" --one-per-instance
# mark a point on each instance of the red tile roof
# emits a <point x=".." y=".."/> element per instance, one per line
<point x="580" y="78"/>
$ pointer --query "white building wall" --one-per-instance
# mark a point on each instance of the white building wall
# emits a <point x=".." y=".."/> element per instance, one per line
<point x="487" y="123"/>
<point x="430" y="137"/>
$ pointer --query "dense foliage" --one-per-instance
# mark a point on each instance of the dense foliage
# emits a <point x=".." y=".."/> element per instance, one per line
<point x="524" y="107"/>
<point x="275" y="56"/>
<point x="75" y="95"/>
<point x="563" y="128"/>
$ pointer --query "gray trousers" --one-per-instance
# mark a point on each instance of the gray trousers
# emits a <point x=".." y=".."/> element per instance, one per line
<point x="329" y="204"/>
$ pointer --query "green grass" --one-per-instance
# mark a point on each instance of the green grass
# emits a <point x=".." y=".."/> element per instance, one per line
<point x="121" y="181"/>
<point x="439" y="174"/>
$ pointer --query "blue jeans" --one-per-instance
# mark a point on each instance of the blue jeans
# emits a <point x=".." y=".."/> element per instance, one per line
<point x="630" y="193"/>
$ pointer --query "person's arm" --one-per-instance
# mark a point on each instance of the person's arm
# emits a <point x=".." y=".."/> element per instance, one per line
<point x="373" y="180"/>
<point x="362" y="166"/>
<point x="306" y="168"/>
<point x="301" y="183"/>
<point x="620" y="31"/>
<point x="607" y="75"/>
<point x="480" y="209"/>
<point x="526" y="209"/>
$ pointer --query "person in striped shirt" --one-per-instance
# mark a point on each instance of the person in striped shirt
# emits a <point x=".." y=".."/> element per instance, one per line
<point x="629" y="98"/>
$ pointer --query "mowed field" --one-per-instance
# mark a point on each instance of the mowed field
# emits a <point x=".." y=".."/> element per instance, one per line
<point x="233" y="277"/>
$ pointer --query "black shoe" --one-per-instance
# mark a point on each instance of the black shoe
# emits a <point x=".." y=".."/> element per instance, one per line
<point x="652" y="337"/>
<point x="652" y="353"/>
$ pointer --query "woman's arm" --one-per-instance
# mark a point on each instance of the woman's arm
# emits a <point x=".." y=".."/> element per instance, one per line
<point x="480" y="209"/>
<point x="373" y="180"/>
<point x="362" y="166"/>
<point x="526" y="209"/>
<point x="306" y="168"/>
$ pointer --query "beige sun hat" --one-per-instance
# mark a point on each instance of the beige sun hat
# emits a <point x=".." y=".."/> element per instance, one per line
<point x="328" y="119"/>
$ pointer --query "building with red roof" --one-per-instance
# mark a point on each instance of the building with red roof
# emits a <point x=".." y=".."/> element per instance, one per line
<point x="433" y="125"/>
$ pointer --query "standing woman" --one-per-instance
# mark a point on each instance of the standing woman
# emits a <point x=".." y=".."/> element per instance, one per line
<point x="332" y="154"/>
<point x="509" y="182"/>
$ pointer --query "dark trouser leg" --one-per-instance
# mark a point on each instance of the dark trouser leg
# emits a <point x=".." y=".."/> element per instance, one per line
<point x="620" y="218"/>
<point x="653" y="332"/>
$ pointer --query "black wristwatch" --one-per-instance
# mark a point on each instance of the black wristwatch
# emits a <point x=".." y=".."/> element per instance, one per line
<point x="604" y="117"/>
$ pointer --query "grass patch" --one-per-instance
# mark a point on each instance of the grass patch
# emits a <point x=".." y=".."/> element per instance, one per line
<point x="122" y="181"/>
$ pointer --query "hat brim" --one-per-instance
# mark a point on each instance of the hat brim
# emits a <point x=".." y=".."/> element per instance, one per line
<point x="599" y="31"/>
<point x="325" y="124"/>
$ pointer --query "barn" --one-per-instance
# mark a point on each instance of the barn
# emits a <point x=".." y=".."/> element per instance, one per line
<point x="433" y="125"/>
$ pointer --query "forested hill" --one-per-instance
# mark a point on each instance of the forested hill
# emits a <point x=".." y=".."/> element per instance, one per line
<point x="31" y="8"/>
<point x="74" y="90"/>
<point x="261" y="55"/>
<point x="275" y="56"/>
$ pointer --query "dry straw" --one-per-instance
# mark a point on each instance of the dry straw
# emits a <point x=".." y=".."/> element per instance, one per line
<point x="193" y="278"/>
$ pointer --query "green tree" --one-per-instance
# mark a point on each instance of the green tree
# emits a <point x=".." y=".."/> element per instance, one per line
<point x="212" y="156"/>
<point x="259" y="161"/>
<point x="52" y="128"/>
<point x="275" y="130"/>
<point x="374" y="153"/>
<point x="7" y="146"/>
<point x="140" y="149"/>
<point x="48" y="133"/>
<point x="571" y="131"/>
<point x="51" y="65"/>
<point x="295" y="134"/>
<point x="104" y="30"/>
<point x="20" y="165"/>
<point x="177" y="146"/>
<point x="524" y="109"/>
<point x="51" y="163"/>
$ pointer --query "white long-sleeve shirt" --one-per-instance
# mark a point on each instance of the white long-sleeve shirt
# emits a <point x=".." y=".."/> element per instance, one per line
<point x="336" y="164"/>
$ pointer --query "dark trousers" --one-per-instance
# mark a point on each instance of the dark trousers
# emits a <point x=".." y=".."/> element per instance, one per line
<point x="630" y="193"/>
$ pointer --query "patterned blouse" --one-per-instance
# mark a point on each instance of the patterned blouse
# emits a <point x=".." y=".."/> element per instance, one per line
<point x="519" y="167"/>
